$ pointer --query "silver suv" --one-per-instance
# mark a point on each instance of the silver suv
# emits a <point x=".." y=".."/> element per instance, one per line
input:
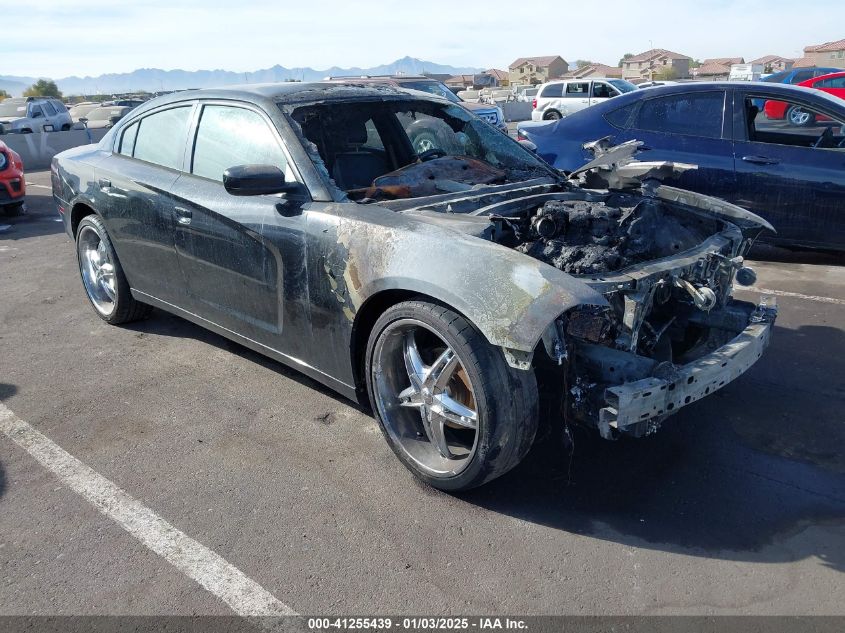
<point x="21" y="115"/>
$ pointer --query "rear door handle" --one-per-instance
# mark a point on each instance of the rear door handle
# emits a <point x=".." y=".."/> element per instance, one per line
<point x="760" y="160"/>
<point x="183" y="216"/>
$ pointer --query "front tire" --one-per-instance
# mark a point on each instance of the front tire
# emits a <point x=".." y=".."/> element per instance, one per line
<point x="449" y="405"/>
<point x="102" y="275"/>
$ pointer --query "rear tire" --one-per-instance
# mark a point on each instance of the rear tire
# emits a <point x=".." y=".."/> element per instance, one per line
<point x="13" y="210"/>
<point x="453" y="411"/>
<point x="102" y="275"/>
<point x="552" y="115"/>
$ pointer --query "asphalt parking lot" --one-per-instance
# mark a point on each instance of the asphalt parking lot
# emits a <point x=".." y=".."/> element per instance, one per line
<point x="736" y="506"/>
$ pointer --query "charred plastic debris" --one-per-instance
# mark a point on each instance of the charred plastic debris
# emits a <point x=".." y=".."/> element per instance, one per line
<point x="665" y="260"/>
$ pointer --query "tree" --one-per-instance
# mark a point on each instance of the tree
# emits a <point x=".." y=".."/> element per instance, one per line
<point x="4" y="94"/>
<point x="580" y="63"/>
<point x="43" y="88"/>
<point x="624" y="57"/>
<point x="666" y="73"/>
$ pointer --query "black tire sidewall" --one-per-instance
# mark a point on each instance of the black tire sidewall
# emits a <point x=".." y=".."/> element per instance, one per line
<point x="492" y="393"/>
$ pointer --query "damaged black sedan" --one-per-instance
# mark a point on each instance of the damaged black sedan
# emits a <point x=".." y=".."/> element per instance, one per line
<point x="448" y="288"/>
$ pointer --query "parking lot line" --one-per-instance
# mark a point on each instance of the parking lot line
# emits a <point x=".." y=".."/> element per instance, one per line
<point x="243" y="595"/>
<point x="796" y="295"/>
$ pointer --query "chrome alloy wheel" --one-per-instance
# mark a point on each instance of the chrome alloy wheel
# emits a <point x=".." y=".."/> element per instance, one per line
<point x="799" y="117"/>
<point x="97" y="270"/>
<point x="424" y="398"/>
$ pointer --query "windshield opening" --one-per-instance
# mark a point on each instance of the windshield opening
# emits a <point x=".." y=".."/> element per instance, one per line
<point x="381" y="150"/>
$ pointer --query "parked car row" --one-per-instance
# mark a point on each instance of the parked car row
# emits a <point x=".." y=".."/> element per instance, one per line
<point x="792" y="176"/>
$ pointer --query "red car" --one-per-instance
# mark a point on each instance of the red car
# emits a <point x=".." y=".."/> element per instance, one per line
<point x="12" y="182"/>
<point x="832" y="83"/>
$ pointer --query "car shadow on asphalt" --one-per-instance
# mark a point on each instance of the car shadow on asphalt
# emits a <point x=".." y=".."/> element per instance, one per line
<point x="30" y="225"/>
<point x="6" y="391"/>
<point x="165" y="324"/>
<point x="769" y="253"/>
<point x="724" y="478"/>
<point x="729" y="475"/>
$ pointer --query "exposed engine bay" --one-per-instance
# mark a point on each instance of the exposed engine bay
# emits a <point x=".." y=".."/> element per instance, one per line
<point x="666" y="268"/>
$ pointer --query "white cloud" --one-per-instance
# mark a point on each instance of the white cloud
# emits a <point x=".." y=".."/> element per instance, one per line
<point x="57" y="38"/>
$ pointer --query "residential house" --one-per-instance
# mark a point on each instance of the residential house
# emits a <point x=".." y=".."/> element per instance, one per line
<point x="830" y="54"/>
<point x="537" y="70"/>
<point x="716" y="68"/>
<point x="594" y="70"/>
<point x="774" y="63"/>
<point x="500" y="77"/>
<point x="657" y="62"/>
<point x="460" y="81"/>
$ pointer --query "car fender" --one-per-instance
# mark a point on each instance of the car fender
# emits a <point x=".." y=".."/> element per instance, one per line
<point x="510" y="297"/>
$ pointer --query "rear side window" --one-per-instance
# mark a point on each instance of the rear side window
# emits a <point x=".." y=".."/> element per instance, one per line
<point x="835" y="82"/>
<point x="577" y="89"/>
<point x="621" y="117"/>
<point x="552" y="90"/>
<point x="696" y="114"/>
<point x="49" y="109"/>
<point x="127" y="141"/>
<point x="229" y="136"/>
<point x="802" y="75"/>
<point x="161" y="137"/>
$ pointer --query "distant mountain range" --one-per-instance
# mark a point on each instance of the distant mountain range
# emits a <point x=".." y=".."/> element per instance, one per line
<point x="154" y="79"/>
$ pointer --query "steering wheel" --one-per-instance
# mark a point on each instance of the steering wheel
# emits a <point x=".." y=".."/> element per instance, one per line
<point x="825" y="140"/>
<point x="434" y="152"/>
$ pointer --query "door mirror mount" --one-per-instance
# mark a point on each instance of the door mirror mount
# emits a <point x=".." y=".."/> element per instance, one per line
<point x="256" y="180"/>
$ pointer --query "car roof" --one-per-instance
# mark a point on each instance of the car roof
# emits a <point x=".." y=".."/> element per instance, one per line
<point x="289" y="92"/>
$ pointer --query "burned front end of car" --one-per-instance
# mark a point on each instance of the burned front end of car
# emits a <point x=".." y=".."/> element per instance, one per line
<point x="665" y="260"/>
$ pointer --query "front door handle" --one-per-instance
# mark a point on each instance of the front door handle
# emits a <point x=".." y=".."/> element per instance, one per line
<point x="183" y="216"/>
<point x="104" y="184"/>
<point x="760" y="160"/>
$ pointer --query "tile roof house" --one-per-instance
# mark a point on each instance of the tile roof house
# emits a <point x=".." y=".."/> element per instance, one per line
<point x="656" y="62"/>
<point x="537" y="70"/>
<point x="830" y="54"/>
<point x="595" y="70"/>
<point x="716" y="68"/>
<point x="774" y="63"/>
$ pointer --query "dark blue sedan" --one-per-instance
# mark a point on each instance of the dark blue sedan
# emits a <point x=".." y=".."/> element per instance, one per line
<point x="792" y="176"/>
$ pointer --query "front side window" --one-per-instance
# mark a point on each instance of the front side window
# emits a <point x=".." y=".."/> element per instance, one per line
<point x="36" y="112"/>
<point x="603" y="91"/>
<point x="577" y="89"/>
<point x="835" y="82"/>
<point x="161" y="137"/>
<point x="793" y="123"/>
<point x="697" y="114"/>
<point x="229" y="136"/>
<point x="49" y="109"/>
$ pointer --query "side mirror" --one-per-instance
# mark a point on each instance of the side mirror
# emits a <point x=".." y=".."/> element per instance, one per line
<point x="37" y="114"/>
<point x="83" y="120"/>
<point x="256" y="180"/>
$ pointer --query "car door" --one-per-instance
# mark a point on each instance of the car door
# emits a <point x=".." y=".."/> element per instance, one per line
<point x="37" y="117"/>
<point x="690" y="127"/>
<point x="792" y="176"/>
<point x="242" y="258"/>
<point x="133" y="194"/>
<point x="576" y="96"/>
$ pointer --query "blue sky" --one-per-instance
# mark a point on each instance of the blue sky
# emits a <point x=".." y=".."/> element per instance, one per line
<point x="57" y="38"/>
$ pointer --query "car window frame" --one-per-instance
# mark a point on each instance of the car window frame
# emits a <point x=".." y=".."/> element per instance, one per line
<point x="126" y="122"/>
<point x="740" y="124"/>
<point x="196" y="115"/>
<point x="578" y="95"/>
<point x="541" y="93"/>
